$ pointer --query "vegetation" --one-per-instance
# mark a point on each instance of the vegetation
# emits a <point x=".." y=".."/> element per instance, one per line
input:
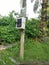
<point x="34" y="51"/>
<point x="32" y="28"/>
<point x="9" y="33"/>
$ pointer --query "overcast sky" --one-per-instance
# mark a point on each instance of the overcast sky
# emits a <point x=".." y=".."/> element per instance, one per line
<point x="7" y="6"/>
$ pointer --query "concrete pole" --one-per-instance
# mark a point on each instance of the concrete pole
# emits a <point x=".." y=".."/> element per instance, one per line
<point x="23" y="8"/>
<point x="22" y="14"/>
<point x="22" y="45"/>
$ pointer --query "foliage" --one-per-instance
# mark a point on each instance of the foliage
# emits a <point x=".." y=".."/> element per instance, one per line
<point x="48" y="28"/>
<point x="8" y="31"/>
<point x="32" y="28"/>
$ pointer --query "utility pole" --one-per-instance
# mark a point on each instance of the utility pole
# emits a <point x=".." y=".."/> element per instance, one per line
<point x="23" y="8"/>
<point x="44" y="19"/>
<point x="22" y="14"/>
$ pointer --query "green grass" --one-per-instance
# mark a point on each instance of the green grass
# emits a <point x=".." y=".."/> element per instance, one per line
<point x="34" y="51"/>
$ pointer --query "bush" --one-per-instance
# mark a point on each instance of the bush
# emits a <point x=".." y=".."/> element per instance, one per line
<point x="32" y="28"/>
<point x="8" y="33"/>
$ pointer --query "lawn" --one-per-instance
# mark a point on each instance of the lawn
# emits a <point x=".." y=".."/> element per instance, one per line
<point x="34" y="51"/>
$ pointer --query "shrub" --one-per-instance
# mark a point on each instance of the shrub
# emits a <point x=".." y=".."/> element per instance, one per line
<point x="32" y="28"/>
<point x="8" y="33"/>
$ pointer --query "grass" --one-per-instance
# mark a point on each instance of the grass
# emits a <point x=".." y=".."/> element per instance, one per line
<point x="34" y="51"/>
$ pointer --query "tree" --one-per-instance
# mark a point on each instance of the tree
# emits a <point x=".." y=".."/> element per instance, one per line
<point x="43" y="16"/>
<point x="44" y="19"/>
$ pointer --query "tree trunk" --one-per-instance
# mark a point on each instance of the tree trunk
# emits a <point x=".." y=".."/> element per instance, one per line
<point x="44" y="19"/>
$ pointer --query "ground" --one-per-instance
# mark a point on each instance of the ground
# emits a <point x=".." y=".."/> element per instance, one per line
<point x="34" y="51"/>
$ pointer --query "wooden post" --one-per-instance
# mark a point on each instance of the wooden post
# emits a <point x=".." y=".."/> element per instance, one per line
<point x="22" y="45"/>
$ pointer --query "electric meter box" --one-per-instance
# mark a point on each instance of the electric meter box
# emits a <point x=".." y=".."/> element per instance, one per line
<point x="20" y="23"/>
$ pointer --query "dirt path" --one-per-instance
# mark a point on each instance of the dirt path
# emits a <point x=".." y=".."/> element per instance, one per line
<point x="2" y="47"/>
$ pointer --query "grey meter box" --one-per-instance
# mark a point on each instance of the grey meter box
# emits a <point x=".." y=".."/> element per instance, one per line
<point x="20" y="23"/>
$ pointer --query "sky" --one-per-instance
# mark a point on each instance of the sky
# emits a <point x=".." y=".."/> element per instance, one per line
<point x="7" y="6"/>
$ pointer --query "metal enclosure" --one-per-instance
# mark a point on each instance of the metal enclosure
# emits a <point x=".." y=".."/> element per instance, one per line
<point x="20" y="23"/>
